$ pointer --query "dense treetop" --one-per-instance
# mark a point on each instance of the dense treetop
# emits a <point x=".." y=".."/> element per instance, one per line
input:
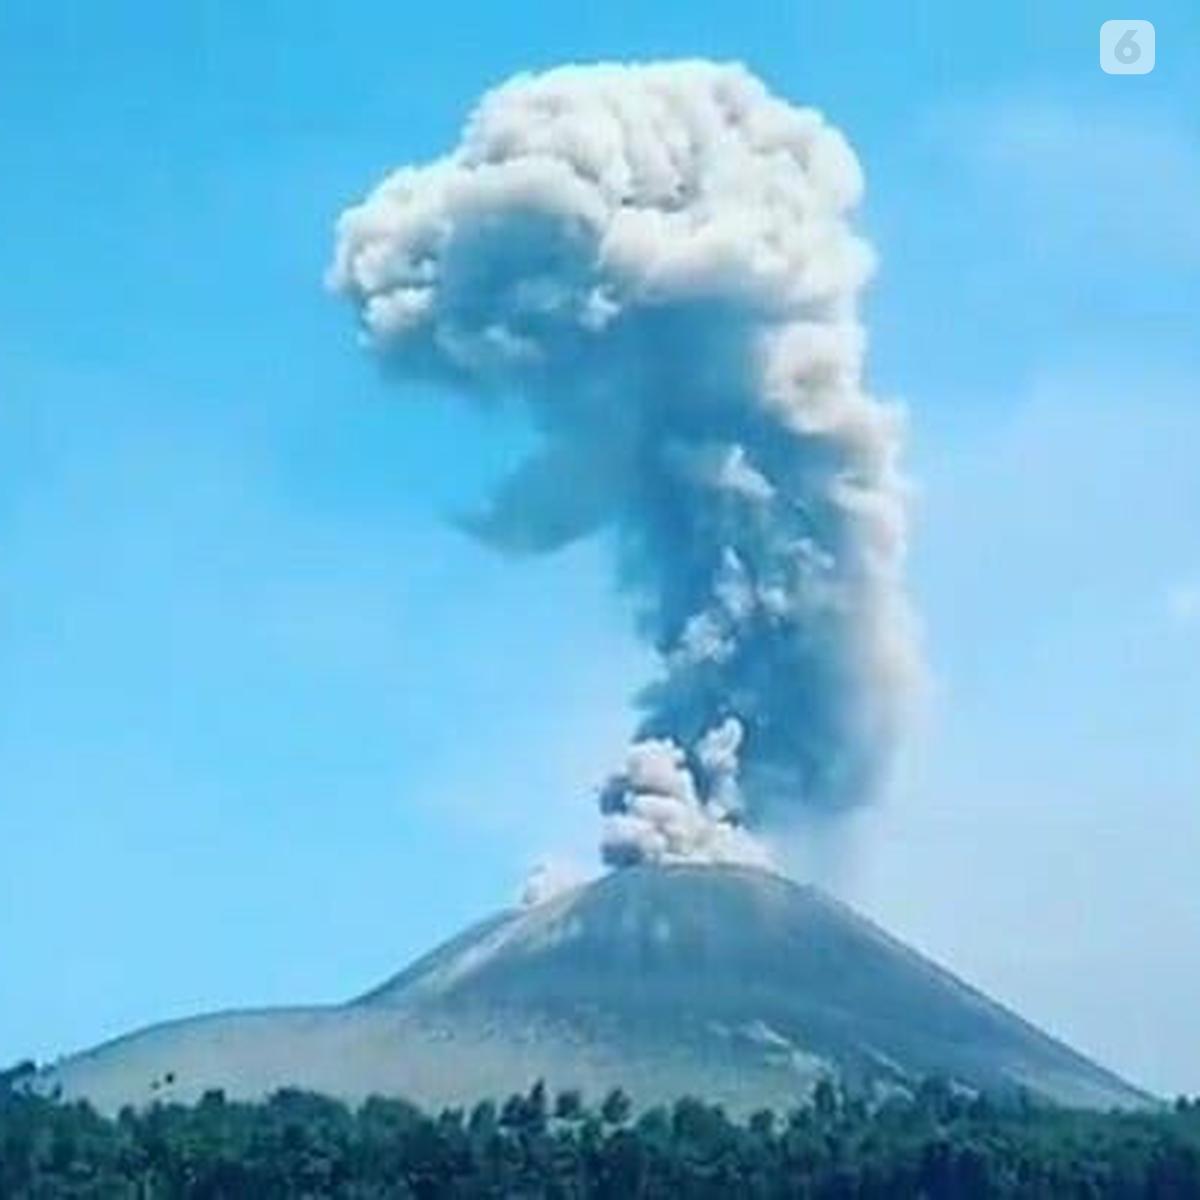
<point x="935" y="1145"/>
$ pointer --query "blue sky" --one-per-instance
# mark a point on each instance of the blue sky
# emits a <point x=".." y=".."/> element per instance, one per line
<point x="269" y="725"/>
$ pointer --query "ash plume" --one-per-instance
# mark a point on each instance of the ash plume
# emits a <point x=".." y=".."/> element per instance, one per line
<point x="657" y="262"/>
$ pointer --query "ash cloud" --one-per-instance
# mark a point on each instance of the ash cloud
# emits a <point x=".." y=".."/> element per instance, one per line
<point x="657" y="261"/>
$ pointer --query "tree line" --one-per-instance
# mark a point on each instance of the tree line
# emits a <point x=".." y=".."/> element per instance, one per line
<point x="934" y="1144"/>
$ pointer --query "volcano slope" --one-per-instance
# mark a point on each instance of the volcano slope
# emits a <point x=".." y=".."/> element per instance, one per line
<point x="730" y="984"/>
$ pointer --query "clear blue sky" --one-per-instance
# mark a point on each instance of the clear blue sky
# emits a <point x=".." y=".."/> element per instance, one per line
<point x="266" y="719"/>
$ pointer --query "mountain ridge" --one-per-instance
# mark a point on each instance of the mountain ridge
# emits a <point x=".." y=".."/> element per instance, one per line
<point x="730" y="983"/>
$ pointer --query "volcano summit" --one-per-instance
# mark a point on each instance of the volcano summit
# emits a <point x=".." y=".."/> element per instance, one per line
<point x="727" y="983"/>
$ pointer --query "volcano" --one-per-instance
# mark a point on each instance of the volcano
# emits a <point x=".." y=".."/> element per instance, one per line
<point x="730" y="984"/>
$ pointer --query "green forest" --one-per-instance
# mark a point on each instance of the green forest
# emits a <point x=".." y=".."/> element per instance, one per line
<point x="934" y="1144"/>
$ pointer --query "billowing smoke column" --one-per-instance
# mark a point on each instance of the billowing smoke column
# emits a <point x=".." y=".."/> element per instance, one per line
<point x="657" y="261"/>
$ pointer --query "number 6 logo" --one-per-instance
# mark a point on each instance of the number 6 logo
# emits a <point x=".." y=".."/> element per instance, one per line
<point x="1127" y="47"/>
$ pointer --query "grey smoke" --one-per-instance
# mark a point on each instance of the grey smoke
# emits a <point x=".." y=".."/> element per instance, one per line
<point x="658" y="261"/>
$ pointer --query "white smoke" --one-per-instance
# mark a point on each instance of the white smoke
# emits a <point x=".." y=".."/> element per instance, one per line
<point x="551" y="878"/>
<point x="655" y="812"/>
<point x="657" y="261"/>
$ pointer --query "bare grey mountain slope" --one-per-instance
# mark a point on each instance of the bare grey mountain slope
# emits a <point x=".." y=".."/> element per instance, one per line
<point x="727" y="983"/>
